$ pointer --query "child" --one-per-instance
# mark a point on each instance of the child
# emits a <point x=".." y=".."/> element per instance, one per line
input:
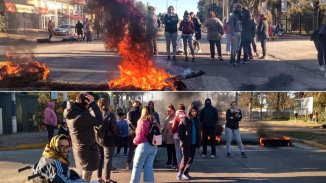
<point x="123" y="134"/>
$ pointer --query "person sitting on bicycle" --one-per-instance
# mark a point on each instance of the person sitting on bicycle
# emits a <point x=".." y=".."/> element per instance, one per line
<point x="53" y="165"/>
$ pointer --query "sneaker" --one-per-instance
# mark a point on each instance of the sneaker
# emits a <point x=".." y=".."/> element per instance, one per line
<point x="251" y="57"/>
<point x="203" y="155"/>
<point x="186" y="177"/>
<point x="243" y="155"/>
<point x="220" y="58"/>
<point x="234" y="64"/>
<point x="228" y="155"/>
<point x="199" y="51"/>
<point x="263" y="58"/>
<point x="174" y="167"/>
<point x="193" y="59"/>
<point x="174" y="58"/>
<point x="178" y="177"/>
<point x="212" y="58"/>
<point x="322" y="68"/>
<point x="186" y="59"/>
<point x="169" y="58"/>
<point x="245" y="62"/>
<point x="213" y="156"/>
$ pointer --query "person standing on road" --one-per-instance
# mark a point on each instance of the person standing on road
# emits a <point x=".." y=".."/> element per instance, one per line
<point x="152" y="29"/>
<point x="208" y="118"/>
<point x="50" y="119"/>
<point x="168" y="136"/>
<point x="54" y="163"/>
<point x="79" y="30"/>
<point x="246" y="35"/>
<point x="253" y="31"/>
<point x="226" y="28"/>
<point x="214" y="34"/>
<point x="123" y="134"/>
<point x="188" y="29"/>
<point x="171" y="20"/>
<point x="97" y="28"/>
<point x="82" y="116"/>
<point x="179" y="116"/>
<point x="233" y="116"/>
<point x="319" y="38"/>
<point x="50" y="29"/>
<point x="132" y="119"/>
<point x="110" y="130"/>
<point x="262" y="34"/>
<point x="189" y="133"/>
<point x="235" y="29"/>
<point x="89" y="31"/>
<point x="153" y="112"/>
<point x="145" y="152"/>
<point x="197" y="25"/>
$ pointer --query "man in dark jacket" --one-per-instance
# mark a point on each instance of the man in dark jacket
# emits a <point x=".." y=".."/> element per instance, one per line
<point x="54" y="163"/>
<point x="235" y="31"/>
<point x="246" y="35"/>
<point x="82" y="116"/>
<point x="79" y="30"/>
<point x="208" y="117"/>
<point x="171" y="32"/>
<point x="262" y="34"/>
<point x="132" y="119"/>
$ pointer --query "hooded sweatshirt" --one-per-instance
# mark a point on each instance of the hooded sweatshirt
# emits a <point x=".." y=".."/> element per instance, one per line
<point x="50" y="118"/>
<point x="208" y="116"/>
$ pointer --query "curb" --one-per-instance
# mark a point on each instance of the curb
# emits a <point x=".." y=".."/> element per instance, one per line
<point x="23" y="147"/>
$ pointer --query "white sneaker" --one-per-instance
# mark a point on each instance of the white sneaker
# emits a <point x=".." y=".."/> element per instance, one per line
<point x="322" y="68"/>
<point x="203" y="156"/>
<point x="199" y="51"/>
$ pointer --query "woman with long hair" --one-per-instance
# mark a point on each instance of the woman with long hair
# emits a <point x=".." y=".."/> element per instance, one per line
<point x="110" y="132"/>
<point x="189" y="134"/>
<point x="145" y="152"/>
<point x="168" y="136"/>
<point x="214" y="34"/>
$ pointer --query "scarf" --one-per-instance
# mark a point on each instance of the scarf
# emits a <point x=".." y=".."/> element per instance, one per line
<point x="52" y="151"/>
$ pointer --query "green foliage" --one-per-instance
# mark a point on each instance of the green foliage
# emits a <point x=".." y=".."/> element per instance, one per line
<point x="2" y="23"/>
<point x="205" y="6"/>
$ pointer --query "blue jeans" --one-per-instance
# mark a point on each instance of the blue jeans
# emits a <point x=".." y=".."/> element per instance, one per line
<point x="171" y="37"/>
<point x="144" y="158"/>
<point x="177" y="150"/>
<point x="235" y="45"/>
<point x="187" y="39"/>
<point x="228" y="42"/>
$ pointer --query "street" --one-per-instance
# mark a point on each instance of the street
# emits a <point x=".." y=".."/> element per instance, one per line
<point x="291" y="66"/>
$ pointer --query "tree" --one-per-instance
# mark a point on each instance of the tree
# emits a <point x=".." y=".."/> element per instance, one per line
<point x="279" y="101"/>
<point x="205" y="6"/>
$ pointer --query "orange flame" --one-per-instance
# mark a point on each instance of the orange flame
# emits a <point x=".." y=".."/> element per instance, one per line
<point x="137" y="70"/>
<point x="13" y="69"/>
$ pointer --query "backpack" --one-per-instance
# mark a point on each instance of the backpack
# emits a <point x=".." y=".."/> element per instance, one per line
<point x="154" y="135"/>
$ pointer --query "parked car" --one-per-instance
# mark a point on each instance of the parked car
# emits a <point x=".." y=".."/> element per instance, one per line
<point x="64" y="30"/>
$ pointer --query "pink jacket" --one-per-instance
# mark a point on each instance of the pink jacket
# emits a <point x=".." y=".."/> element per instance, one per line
<point x="180" y="114"/>
<point x="141" y="131"/>
<point x="50" y="118"/>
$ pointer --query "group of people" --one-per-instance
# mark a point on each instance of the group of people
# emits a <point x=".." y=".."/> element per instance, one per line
<point x="93" y="133"/>
<point x="83" y="31"/>
<point x="241" y="30"/>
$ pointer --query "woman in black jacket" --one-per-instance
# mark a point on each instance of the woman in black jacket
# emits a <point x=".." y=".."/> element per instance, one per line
<point x="189" y="134"/>
<point x="233" y="116"/>
<point x="110" y="132"/>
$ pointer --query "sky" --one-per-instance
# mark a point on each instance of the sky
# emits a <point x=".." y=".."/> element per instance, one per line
<point x="182" y="5"/>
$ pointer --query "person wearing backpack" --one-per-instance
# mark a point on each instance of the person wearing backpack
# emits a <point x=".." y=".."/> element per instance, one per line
<point x="145" y="152"/>
<point x="189" y="134"/>
<point x="110" y="132"/>
<point x="188" y="29"/>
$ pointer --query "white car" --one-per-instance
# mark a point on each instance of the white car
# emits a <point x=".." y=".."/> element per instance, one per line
<point x="64" y="30"/>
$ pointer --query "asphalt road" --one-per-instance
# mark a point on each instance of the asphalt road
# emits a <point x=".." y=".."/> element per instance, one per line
<point x="291" y="66"/>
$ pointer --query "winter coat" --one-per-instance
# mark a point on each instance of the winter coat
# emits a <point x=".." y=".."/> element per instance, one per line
<point x="185" y="132"/>
<point x="262" y="30"/>
<point x="197" y="25"/>
<point x="235" y="24"/>
<point x="79" y="28"/>
<point x="246" y="34"/>
<point x="167" y="131"/>
<point x="110" y="128"/>
<point x="156" y="117"/>
<point x="53" y="167"/>
<point x="187" y="27"/>
<point x="233" y="116"/>
<point x="123" y="128"/>
<point x="152" y="26"/>
<point x="132" y="119"/>
<point x="81" y="121"/>
<point x="214" y="29"/>
<point x="208" y="116"/>
<point x="50" y="118"/>
<point x="171" y="23"/>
